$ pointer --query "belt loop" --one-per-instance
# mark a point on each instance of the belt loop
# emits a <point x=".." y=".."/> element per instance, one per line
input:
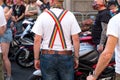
<point x="41" y="51"/>
<point x="56" y="52"/>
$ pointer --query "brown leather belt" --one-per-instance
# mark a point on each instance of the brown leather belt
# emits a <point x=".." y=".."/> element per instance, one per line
<point x="66" y="52"/>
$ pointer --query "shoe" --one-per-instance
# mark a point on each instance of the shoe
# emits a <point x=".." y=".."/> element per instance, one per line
<point x="8" y="78"/>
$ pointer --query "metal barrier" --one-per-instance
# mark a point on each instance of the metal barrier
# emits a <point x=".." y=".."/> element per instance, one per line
<point x="83" y="16"/>
<point x="91" y="15"/>
<point x="79" y="16"/>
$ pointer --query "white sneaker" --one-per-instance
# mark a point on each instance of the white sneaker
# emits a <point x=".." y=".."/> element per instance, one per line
<point x="9" y="78"/>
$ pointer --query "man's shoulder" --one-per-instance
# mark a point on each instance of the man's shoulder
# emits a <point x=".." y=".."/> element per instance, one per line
<point x="115" y="19"/>
<point x="1" y="8"/>
<point x="117" y="16"/>
<point x="58" y="9"/>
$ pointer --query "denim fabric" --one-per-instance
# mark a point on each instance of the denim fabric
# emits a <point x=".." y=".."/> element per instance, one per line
<point x="57" y="67"/>
<point x="18" y="26"/>
<point x="7" y="37"/>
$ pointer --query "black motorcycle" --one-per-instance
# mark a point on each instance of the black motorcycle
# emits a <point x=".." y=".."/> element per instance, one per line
<point x="24" y="56"/>
<point x="87" y="63"/>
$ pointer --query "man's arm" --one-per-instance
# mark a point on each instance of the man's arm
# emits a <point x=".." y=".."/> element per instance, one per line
<point x="37" y="43"/>
<point x="2" y="21"/>
<point x="76" y="44"/>
<point x="8" y="13"/>
<point x="103" y="34"/>
<point x="105" y="57"/>
<point x="2" y="30"/>
<point x="103" y="37"/>
<point x="23" y="14"/>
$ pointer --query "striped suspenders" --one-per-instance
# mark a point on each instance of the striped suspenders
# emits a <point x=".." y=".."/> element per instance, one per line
<point x="57" y="27"/>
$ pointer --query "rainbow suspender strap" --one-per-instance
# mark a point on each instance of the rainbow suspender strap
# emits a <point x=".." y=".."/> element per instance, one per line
<point x="57" y="27"/>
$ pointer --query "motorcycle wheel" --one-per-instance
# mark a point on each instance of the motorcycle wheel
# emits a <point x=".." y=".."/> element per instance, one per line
<point x="34" y="77"/>
<point x="24" y="58"/>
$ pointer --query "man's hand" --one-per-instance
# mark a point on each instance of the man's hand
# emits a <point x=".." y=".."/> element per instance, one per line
<point x="76" y="62"/>
<point x="90" y="77"/>
<point x="100" y="47"/>
<point x="37" y="64"/>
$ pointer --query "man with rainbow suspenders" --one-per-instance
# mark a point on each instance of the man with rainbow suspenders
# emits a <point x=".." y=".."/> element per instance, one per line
<point x="56" y="32"/>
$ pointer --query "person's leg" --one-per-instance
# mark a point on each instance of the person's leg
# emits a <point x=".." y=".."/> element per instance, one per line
<point x="1" y="68"/>
<point x="19" y="26"/>
<point x="5" y="44"/>
<point x="117" y="77"/>
<point x="6" y="61"/>
<point x="66" y="67"/>
<point x="48" y="67"/>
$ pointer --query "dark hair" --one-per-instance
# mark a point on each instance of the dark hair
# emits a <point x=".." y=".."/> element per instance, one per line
<point x="111" y="3"/>
<point x="32" y="1"/>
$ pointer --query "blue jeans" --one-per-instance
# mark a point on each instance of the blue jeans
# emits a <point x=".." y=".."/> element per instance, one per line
<point x="19" y="26"/>
<point x="57" y="67"/>
<point x="7" y="37"/>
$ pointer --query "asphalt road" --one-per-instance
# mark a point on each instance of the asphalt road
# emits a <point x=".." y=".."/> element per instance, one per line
<point x="20" y="73"/>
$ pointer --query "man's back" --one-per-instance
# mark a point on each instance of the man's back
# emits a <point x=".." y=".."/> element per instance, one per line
<point x="46" y="23"/>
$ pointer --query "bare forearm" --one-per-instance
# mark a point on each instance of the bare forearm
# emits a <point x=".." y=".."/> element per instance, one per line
<point x="34" y="11"/>
<point x="28" y="14"/>
<point x="102" y="63"/>
<point x="76" y="44"/>
<point x="37" y="42"/>
<point x="8" y="14"/>
<point x="106" y="55"/>
<point x="21" y="17"/>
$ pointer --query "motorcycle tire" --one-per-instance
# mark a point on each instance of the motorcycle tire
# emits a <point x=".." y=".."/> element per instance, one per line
<point x="34" y="77"/>
<point x="24" y="58"/>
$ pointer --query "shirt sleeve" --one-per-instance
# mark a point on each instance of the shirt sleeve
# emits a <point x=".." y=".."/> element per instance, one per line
<point x="75" y="26"/>
<point x="37" y="28"/>
<point x="105" y="16"/>
<point x="2" y="17"/>
<point x="113" y="27"/>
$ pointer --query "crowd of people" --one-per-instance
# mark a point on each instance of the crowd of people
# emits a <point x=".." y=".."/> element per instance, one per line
<point x="15" y="13"/>
<point x="56" y="31"/>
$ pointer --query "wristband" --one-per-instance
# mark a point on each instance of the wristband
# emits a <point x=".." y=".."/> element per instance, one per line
<point x="94" y="75"/>
<point x="76" y="57"/>
<point x="36" y="59"/>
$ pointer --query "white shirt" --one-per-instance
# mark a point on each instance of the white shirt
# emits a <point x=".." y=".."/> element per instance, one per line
<point x="45" y="24"/>
<point x="2" y="17"/>
<point x="114" y="30"/>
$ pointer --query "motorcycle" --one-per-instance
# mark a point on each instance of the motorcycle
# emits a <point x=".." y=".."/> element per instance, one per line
<point x="24" y="56"/>
<point x="88" y="60"/>
<point x="87" y="63"/>
<point x="14" y="45"/>
<point x="17" y="36"/>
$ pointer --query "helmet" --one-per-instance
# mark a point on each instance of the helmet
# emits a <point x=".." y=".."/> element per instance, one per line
<point x="111" y="2"/>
